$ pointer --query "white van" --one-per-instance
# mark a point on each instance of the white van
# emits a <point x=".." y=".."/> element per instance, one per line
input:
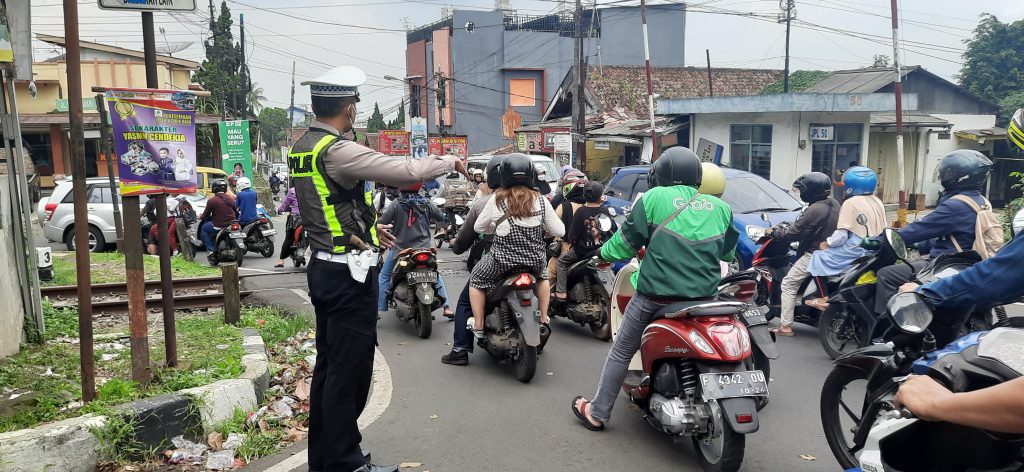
<point x="480" y="162"/>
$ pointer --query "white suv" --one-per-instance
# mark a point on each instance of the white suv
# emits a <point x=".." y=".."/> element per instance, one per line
<point x="57" y="213"/>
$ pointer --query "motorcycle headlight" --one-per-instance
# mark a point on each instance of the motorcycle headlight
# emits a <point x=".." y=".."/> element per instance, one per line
<point x="756" y="232"/>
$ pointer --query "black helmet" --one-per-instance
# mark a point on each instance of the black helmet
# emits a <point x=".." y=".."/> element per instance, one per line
<point x="963" y="169"/>
<point x="494" y="172"/>
<point x="813" y="187"/>
<point x="219" y="185"/>
<point x="676" y="166"/>
<point x="517" y="169"/>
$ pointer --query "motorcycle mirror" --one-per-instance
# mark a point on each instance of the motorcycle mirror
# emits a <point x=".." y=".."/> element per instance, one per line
<point x="439" y="201"/>
<point x="909" y="312"/>
<point x="862" y="220"/>
<point x="604" y="222"/>
<point x="898" y="245"/>
<point x="764" y="217"/>
<point x="611" y="211"/>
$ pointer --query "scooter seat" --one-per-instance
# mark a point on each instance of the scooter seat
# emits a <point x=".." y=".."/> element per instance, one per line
<point x="709" y="307"/>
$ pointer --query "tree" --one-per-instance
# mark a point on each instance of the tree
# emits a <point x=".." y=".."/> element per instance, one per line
<point x="994" y="63"/>
<point x="255" y="99"/>
<point x="881" y="61"/>
<point x="376" y="121"/>
<point x="274" y="125"/>
<point x="798" y="80"/>
<point x="399" y="121"/>
<point x="222" y="72"/>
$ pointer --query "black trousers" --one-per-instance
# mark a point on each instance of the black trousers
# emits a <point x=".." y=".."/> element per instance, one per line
<point x="346" y="332"/>
<point x="889" y="281"/>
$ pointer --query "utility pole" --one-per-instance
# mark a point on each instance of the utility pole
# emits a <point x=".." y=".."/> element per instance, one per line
<point x="711" y="85"/>
<point x="244" y="70"/>
<point x="73" y="55"/>
<point x="789" y="20"/>
<point x="291" y="110"/>
<point x="213" y="18"/>
<point x="650" y="82"/>
<point x="441" y="102"/>
<point x="579" y="102"/>
<point x="901" y="217"/>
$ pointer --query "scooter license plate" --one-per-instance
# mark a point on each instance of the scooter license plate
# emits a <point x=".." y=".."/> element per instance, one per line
<point x="733" y="384"/>
<point x="421" y="277"/>
<point x="269" y="232"/>
<point x="754" y="316"/>
<point x="237" y="235"/>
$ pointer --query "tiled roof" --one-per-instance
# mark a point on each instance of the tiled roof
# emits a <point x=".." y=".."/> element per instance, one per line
<point x="625" y="87"/>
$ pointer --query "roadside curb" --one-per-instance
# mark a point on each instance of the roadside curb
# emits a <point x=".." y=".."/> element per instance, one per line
<point x="70" y="445"/>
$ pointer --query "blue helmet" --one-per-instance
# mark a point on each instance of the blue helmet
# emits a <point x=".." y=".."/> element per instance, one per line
<point x="860" y="181"/>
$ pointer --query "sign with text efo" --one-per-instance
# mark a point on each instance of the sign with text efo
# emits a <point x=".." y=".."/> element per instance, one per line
<point x="154" y="140"/>
<point x="149" y="5"/>
<point x="236" y="155"/>
<point x="821" y="133"/>
<point x="393" y="142"/>
<point x="453" y="145"/>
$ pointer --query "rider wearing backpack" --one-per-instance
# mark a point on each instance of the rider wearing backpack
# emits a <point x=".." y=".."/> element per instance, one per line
<point x="952" y="226"/>
<point x="584" y="235"/>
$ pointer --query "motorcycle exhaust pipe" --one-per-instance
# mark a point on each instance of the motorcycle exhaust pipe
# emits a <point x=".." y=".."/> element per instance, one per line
<point x="545" y="333"/>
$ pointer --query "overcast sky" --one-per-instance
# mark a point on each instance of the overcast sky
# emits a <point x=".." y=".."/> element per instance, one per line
<point x="827" y="35"/>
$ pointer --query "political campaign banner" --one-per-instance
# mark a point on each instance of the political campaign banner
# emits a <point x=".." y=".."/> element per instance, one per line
<point x="154" y="135"/>
<point x="393" y="142"/>
<point x="235" y="151"/>
<point x="453" y="145"/>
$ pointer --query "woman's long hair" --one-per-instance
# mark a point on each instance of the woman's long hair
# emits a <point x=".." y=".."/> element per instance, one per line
<point x="516" y="201"/>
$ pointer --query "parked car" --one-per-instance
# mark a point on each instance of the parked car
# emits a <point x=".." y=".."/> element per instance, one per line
<point x="56" y="213"/>
<point x="203" y="177"/>
<point x="748" y="194"/>
<point x="480" y="162"/>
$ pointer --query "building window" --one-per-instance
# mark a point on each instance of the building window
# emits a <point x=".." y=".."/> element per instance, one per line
<point x="522" y="92"/>
<point x="751" y="148"/>
<point x="832" y="156"/>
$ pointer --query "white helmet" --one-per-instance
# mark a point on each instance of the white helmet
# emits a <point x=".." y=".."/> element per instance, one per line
<point x="243" y="183"/>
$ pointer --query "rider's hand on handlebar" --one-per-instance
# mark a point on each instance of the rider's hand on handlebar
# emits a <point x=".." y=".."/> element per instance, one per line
<point x="920" y="394"/>
<point x="384" y="235"/>
<point x="909" y="287"/>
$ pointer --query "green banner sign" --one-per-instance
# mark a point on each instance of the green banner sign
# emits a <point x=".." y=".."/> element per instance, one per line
<point x="234" y="148"/>
<point x="88" y="104"/>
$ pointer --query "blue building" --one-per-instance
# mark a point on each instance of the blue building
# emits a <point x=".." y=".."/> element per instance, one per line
<point x="467" y="70"/>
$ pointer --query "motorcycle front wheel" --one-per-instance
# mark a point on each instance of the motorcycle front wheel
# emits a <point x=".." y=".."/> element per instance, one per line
<point x="842" y="400"/>
<point x="720" y="450"/>
<point x="839" y="331"/>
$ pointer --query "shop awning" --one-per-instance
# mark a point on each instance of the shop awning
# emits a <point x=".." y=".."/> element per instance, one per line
<point x="910" y="120"/>
<point x="981" y="135"/>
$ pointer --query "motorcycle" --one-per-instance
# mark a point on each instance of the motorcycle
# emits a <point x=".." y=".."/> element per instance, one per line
<point x="512" y="327"/>
<point x="589" y="284"/>
<point x="300" y="245"/>
<point x="259" y="236"/>
<point x="911" y="330"/>
<point x="772" y="261"/>
<point x="898" y="442"/>
<point x="413" y="290"/>
<point x="694" y="375"/>
<point x="230" y="244"/>
<point x="455" y="217"/>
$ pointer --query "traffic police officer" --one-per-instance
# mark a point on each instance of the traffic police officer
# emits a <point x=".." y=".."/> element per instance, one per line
<point x="332" y="175"/>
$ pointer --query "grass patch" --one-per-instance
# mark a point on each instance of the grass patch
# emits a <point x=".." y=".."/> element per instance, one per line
<point x="273" y="324"/>
<point x="117" y="440"/>
<point x="256" y="443"/>
<point x="108" y="267"/>
<point x="59" y="321"/>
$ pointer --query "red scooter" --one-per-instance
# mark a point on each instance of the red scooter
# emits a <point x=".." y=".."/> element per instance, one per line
<point x="694" y="375"/>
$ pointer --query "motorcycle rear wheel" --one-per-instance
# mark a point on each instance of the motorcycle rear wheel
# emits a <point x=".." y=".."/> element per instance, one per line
<point x="267" y="250"/>
<point x="836" y="336"/>
<point x="832" y="406"/>
<point x="424" y="321"/>
<point x="526" y="363"/>
<point x="603" y="331"/>
<point x="722" y="454"/>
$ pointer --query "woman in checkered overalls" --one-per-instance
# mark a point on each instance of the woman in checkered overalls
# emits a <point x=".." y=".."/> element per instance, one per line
<point x="518" y="216"/>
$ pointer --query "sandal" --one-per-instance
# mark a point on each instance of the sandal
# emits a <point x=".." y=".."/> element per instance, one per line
<point x="817" y="303"/>
<point x="448" y="313"/>
<point x="779" y="331"/>
<point x="577" y="409"/>
<point x="279" y="266"/>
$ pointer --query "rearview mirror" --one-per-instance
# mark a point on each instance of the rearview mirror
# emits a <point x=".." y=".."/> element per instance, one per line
<point x="439" y="201"/>
<point x="896" y="242"/>
<point x="604" y="223"/>
<point x="611" y="211"/>
<point x="764" y="217"/>
<point x="862" y="220"/>
<point x="909" y="312"/>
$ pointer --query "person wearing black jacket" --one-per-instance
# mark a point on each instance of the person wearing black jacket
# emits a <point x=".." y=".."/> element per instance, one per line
<point x="813" y="226"/>
<point x="462" y="343"/>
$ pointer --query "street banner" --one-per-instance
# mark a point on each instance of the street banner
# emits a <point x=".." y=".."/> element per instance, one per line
<point x="453" y="145"/>
<point x="393" y="142"/>
<point x="155" y="140"/>
<point x="149" y="5"/>
<point x="236" y="155"/>
<point x="418" y="136"/>
<point x="529" y="141"/>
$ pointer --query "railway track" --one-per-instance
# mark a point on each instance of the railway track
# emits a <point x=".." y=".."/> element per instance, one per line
<point x="194" y="293"/>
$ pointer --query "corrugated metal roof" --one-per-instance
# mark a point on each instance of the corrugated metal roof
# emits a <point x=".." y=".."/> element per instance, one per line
<point x="856" y="81"/>
<point x="909" y="119"/>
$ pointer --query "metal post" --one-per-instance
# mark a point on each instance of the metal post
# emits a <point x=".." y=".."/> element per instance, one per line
<point x="901" y="214"/>
<point x="108" y="147"/>
<point x="149" y="48"/>
<point x="650" y="82"/>
<point x="73" y="55"/>
<point x="232" y="295"/>
<point x="789" y="22"/>
<point x="291" y="118"/>
<point x="711" y="86"/>
<point x="166" y="281"/>
<point x="244" y="72"/>
<point x="579" y="103"/>
<point x="135" y="281"/>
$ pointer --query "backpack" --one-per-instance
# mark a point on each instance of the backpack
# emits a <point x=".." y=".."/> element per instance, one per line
<point x="988" y="232"/>
<point x="593" y="237"/>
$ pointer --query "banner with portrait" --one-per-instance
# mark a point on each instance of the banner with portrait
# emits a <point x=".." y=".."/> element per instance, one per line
<point x="154" y="134"/>
<point x="449" y="145"/>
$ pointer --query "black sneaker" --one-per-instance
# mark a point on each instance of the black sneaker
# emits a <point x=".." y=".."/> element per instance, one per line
<point x="456" y="358"/>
